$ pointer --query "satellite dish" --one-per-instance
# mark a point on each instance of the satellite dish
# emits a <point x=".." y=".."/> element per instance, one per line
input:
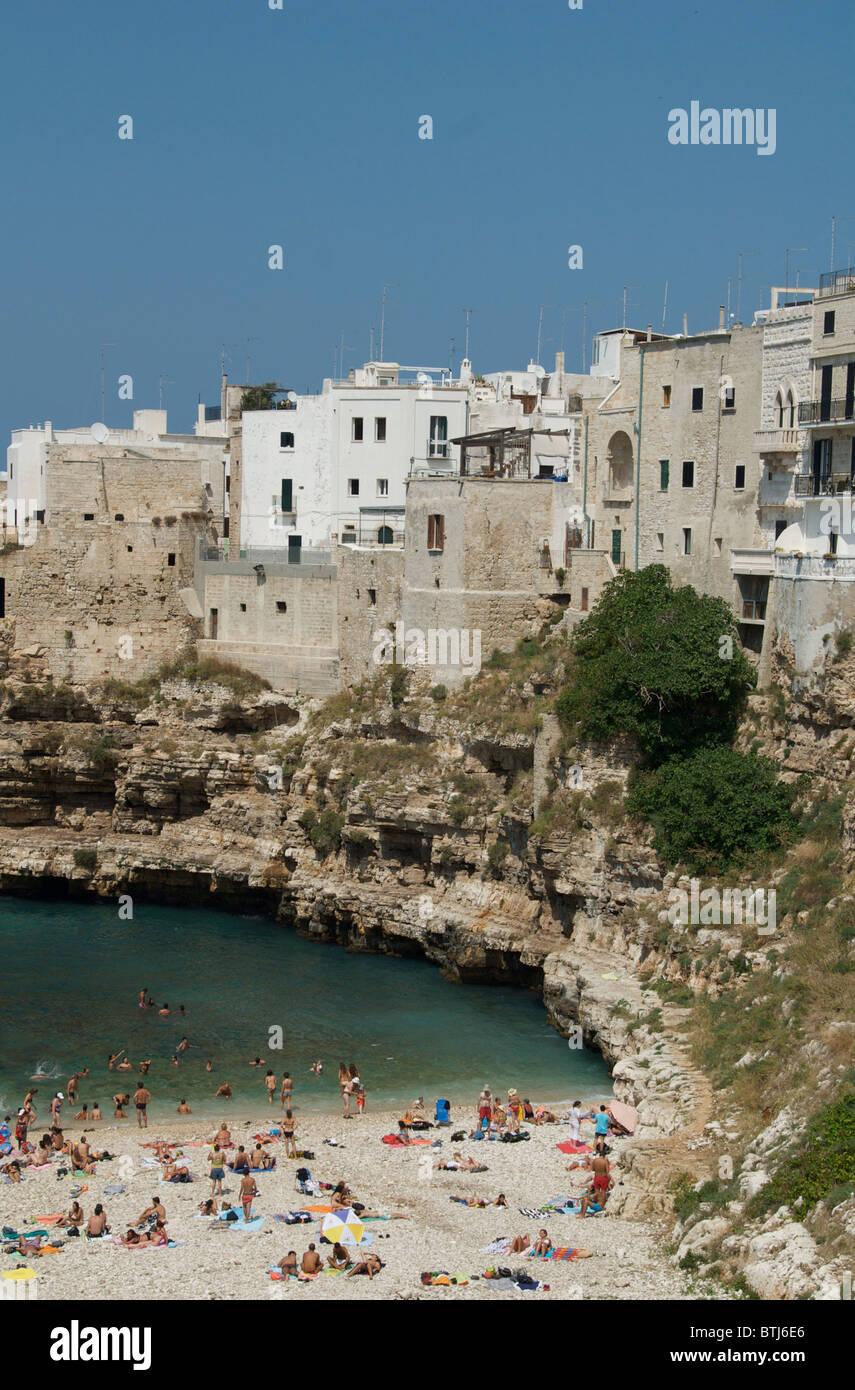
<point x="99" y="433"/>
<point x="291" y="395"/>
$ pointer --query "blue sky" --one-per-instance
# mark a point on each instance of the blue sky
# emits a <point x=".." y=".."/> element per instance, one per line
<point x="299" y="127"/>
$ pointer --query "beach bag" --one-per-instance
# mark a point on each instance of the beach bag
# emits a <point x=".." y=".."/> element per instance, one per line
<point x="458" y="1136"/>
<point x="72" y="1231"/>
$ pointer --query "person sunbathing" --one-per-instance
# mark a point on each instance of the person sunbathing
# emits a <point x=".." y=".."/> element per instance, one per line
<point x="75" y="1216"/>
<point x="403" y="1133"/>
<point x="311" y="1262"/>
<point x="159" y="1236"/>
<point x="97" y="1224"/>
<point x="155" y="1212"/>
<point x="519" y="1245"/>
<point x="543" y="1245"/>
<point x="341" y="1198"/>
<point x="223" y="1136"/>
<point x="209" y="1207"/>
<point x="133" y="1238"/>
<point x="370" y="1265"/>
<point x="339" y="1259"/>
<point x="241" y="1162"/>
<point x="288" y="1265"/>
<point x="545" y="1117"/>
<point x="458" y="1161"/>
<point x="173" y="1173"/>
<point x="600" y="1186"/>
<point x="365" y="1215"/>
<point x="12" y="1170"/>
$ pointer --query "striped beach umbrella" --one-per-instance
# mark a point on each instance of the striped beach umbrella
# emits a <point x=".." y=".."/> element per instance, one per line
<point x="343" y="1226"/>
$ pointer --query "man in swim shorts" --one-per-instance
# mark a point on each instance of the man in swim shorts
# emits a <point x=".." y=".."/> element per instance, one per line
<point x="141" y="1100"/>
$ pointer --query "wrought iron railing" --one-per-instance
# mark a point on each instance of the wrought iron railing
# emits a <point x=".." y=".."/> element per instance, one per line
<point x="824" y="412"/>
<point x="836" y="282"/>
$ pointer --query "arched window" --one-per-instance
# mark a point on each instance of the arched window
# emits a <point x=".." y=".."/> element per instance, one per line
<point x="620" y="462"/>
<point x="384" y="535"/>
<point x="791" y="411"/>
<point x="779" y="410"/>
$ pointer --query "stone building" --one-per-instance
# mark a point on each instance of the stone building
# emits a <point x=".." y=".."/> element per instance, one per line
<point x="104" y="578"/>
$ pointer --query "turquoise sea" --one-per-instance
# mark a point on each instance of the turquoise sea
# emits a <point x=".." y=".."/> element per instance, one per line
<point x="71" y="974"/>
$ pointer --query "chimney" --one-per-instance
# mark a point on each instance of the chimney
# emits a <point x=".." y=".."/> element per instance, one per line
<point x="720" y="317"/>
<point x="650" y="333"/>
<point x="685" y="325"/>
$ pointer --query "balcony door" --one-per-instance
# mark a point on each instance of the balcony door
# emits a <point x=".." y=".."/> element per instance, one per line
<point x="825" y="394"/>
<point x="821" y="464"/>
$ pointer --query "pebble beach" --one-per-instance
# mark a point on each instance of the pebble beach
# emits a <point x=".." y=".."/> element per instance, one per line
<point x="627" y="1259"/>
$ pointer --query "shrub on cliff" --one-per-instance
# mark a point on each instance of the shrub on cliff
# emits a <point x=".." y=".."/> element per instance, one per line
<point x="822" y="1163"/>
<point x="714" y="809"/>
<point x="660" y="664"/>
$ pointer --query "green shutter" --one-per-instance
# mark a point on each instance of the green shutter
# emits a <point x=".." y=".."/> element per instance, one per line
<point x="663" y="475"/>
<point x="286" y="495"/>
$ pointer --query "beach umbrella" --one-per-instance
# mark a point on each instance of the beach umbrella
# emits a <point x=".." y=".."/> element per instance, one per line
<point x="342" y="1226"/>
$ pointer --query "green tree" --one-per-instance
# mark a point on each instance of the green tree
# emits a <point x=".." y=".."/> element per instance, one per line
<point x="260" y="397"/>
<point x="658" y="663"/>
<point x="714" y="809"/>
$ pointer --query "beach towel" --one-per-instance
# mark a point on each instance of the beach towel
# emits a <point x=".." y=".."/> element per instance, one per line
<point x="48" y="1220"/>
<point x="394" y="1142"/>
<point x="240" y="1225"/>
<point x="19" y="1275"/>
<point x="569" y="1147"/>
<point x="293" y="1218"/>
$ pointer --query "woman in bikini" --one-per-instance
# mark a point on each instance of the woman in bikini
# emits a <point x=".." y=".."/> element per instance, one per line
<point x="288" y="1125"/>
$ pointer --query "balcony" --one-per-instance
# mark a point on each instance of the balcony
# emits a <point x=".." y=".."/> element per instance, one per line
<point x="827" y="412"/>
<point x="823" y="484"/>
<point x="752" y="561"/>
<point x="836" y="282"/>
<point x="779" y="441"/>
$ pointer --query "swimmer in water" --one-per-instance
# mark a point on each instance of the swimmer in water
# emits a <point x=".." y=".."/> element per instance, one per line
<point x="144" y="1065"/>
<point x="164" y="1012"/>
<point x="120" y="1101"/>
<point x="225" y="1090"/>
<point x="259" y="1062"/>
<point x="184" y="1108"/>
<point x="174" y="1060"/>
<point x="183" y="1045"/>
<point x="113" y="1059"/>
<point x="141" y="998"/>
<point x="209" y="1066"/>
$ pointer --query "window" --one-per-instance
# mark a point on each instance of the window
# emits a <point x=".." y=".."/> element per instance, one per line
<point x="779" y="527"/>
<point x="666" y="395"/>
<point x="286" y="440"/>
<point x="384" y="535"/>
<point x="687" y="540"/>
<point x="828" y="321"/>
<point x="353" y="487"/>
<point x="130" y="550"/>
<point x="382" y="487"/>
<point x="739" y="477"/>
<point x="243" y="608"/>
<point x="170" y="559"/>
<point x="660" y="540"/>
<point x="716" y="545"/>
<point x="832" y="543"/>
<point x="583" y="602"/>
<point x="356" y="429"/>
<point x="438" y="444"/>
<point x="688" y="473"/>
<point x="88" y="516"/>
<point x="119" y="516"/>
<point x="287" y="495"/>
<point x="228" y="484"/>
<point x="730" y="397"/>
<point x="380" y="429"/>
<point x="697" y="397"/>
<point x="281" y="606"/>
<point x="436" y="532"/>
<point x="372" y="598"/>
<point x="664" y="469"/>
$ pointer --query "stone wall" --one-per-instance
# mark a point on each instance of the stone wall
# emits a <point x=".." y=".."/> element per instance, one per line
<point x="370" y="582"/>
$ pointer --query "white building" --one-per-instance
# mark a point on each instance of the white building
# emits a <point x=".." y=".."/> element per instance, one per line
<point x="336" y="464"/>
